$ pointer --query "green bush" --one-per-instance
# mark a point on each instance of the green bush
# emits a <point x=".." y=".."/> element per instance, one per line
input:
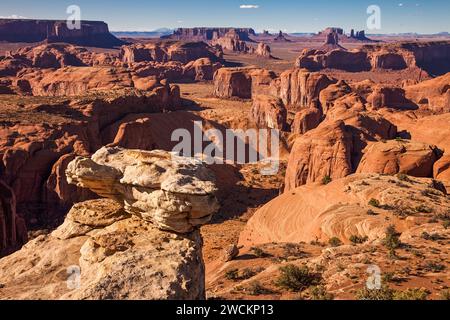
<point x="326" y="180"/>
<point x="335" y="242"/>
<point x="320" y="293"/>
<point x="374" y="203"/>
<point x="411" y="294"/>
<point x="297" y="279"/>
<point x="385" y="293"/>
<point x="392" y="239"/>
<point x="357" y="239"/>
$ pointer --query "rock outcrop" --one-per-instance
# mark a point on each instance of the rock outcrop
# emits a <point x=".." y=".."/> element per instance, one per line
<point x="206" y="34"/>
<point x="242" y="82"/>
<point x="263" y="50"/>
<point x="183" y="52"/>
<point x="269" y="112"/>
<point x="431" y="57"/>
<point x="103" y="253"/>
<point x="392" y="157"/>
<point x="323" y="152"/>
<point x="174" y="193"/>
<point x="13" y="232"/>
<point x="91" y="33"/>
<point x="340" y="209"/>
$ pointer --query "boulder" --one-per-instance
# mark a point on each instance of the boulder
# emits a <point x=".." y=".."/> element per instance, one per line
<point x="174" y="193"/>
<point x="392" y="157"/>
<point x="441" y="171"/>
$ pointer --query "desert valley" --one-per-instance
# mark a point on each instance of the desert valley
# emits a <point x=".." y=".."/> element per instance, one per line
<point x="89" y="186"/>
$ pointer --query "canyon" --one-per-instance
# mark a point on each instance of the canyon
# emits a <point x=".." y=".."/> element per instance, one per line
<point x="88" y="181"/>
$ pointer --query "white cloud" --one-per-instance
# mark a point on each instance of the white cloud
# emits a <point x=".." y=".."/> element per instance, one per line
<point x="400" y="4"/>
<point x="249" y="6"/>
<point x="13" y="16"/>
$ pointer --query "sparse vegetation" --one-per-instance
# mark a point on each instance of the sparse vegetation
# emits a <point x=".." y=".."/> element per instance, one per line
<point x="431" y="237"/>
<point x="446" y="224"/>
<point x="370" y="212"/>
<point x="445" y="294"/>
<point x="411" y="294"/>
<point x="297" y="279"/>
<point x="358" y="239"/>
<point x="255" y="288"/>
<point x="320" y="293"/>
<point x="374" y="203"/>
<point x="335" y="242"/>
<point x="435" y="267"/>
<point x="423" y="209"/>
<point x="392" y="239"/>
<point x="326" y="180"/>
<point x="232" y="274"/>
<point x="385" y="293"/>
<point x="258" y="252"/>
<point x="403" y="177"/>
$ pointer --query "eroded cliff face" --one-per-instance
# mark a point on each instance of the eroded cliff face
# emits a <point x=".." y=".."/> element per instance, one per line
<point x="92" y="33"/>
<point x="431" y="57"/>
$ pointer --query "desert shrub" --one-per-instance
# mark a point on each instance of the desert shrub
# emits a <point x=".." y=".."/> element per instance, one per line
<point x="258" y="252"/>
<point x="374" y="203"/>
<point x="431" y="237"/>
<point x="255" y="288"/>
<point x="445" y="294"/>
<point x="335" y="242"/>
<point x="297" y="279"/>
<point x="232" y="274"/>
<point x="411" y="294"/>
<point x="424" y="209"/>
<point x="438" y="185"/>
<point x="392" y="239"/>
<point x="385" y="293"/>
<point x="403" y="177"/>
<point x="326" y="180"/>
<point x="357" y="239"/>
<point x="446" y="224"/>
<point x="320" y="293"/>
<point x="370" y="212"/>
<point x="435" y="267"/>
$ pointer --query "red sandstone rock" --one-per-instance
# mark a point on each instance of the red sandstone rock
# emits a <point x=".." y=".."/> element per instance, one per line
<point x="392" y="157"/>
<point x="13" y="232"/>
<point x="269" y="112"/>
<point x="263" y="50"/>
<point x="324" y="151"/>
<point x="306" y="120"/>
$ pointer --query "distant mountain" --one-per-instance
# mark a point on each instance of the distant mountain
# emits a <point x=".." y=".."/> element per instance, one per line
<point x="143" y="34"/>
<point x="301" y="34"/>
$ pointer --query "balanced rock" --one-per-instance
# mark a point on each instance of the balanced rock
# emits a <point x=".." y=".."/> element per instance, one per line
<point x="174" y="193"/>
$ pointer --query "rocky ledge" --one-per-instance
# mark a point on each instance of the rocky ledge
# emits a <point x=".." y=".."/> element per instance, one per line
<point x="120" y="248"/>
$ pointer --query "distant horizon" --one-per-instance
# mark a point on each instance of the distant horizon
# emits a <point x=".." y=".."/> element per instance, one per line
<point x="290" y="16"/>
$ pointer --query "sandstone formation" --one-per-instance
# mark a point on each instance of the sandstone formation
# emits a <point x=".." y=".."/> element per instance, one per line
<point x="392" y="157"/>
<point x="431" y="57"/>
<point x="281" y="37"/>
<point x="103" y="253"/>
<point x="92" y="33"/>
<point x="232" y="41"/>
<point x="269" y="112"/>
<point x="263" y="50"/>
<point x="306" y="120"/>
<point x="12" y="228"/>
<point x="183" y="52"/>
<point x="206" y="34"/>
<point x="339" y="209"/>
<point x="174" y="193"/>
<point x="242" y="82"/>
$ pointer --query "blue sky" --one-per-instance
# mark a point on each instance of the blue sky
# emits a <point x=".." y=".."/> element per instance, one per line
<point x="423" y="16"/>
